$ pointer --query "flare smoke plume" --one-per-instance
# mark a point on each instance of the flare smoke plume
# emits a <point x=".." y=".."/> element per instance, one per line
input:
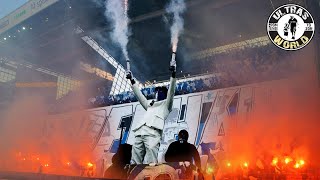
<point x="176" y="7"/>
<point x="286" y="124"/>
<point x="116" y="12"/>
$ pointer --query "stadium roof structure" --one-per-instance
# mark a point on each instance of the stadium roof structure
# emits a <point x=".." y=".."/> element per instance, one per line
<point x="44" y="33"/>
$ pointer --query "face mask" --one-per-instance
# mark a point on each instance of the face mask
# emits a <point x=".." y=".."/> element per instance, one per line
<point x="161" y="96"/>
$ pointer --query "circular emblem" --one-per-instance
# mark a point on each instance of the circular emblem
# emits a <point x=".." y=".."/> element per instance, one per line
<point x="290" y="27"/>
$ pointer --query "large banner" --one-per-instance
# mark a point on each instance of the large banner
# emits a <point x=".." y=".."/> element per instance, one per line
<point x="207" y="116"/>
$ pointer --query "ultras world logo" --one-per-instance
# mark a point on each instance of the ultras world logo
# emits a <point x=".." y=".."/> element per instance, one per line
<point x="290" y="27"/>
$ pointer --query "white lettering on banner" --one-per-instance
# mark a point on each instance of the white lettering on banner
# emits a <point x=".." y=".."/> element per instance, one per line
<point x="110" y="129"/>
<point x="194" y="104"/>
<point x="246" y="99"/>
<point x="245" y="105"/>
<point x="221" y="130"/>
<point x="218" y="114"/>
<point x="210" y="128"/>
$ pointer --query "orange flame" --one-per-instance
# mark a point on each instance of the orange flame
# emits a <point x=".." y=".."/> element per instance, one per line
<point x="301" y="162"/>
<point x="274" y="161"/>
<point x="89" y="164"/>
<point x="209" y="170"/>
<point x="287" y="160"/>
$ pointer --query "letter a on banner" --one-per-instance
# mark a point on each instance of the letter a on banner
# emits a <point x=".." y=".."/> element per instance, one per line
<point x="221" y="130"/>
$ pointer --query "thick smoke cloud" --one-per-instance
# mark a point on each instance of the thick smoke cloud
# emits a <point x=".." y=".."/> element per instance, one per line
<point x="33" y="134"/>
<point x="30" y="138"/>
<point x="285" y="120"/>
<point x="176" y="7"/>
<point x="116" y="12"/>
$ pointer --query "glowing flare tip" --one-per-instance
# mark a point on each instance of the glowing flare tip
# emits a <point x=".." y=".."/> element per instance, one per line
<point x="209" y="170"/>
<point x="301" y="162"/>
<point x="174" y="47"/>
<point x="274" y="161"/>
<point x="173" y="57"/>
<point x="287" y="160"/>
<point x="90" y="164"/>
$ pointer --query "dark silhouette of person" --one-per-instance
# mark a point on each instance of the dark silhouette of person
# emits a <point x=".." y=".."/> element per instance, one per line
<point x="181" y="150"/>
<point x="286" y="29"/>
<point x="293" y="26"/>
<point x="119" y="161"/>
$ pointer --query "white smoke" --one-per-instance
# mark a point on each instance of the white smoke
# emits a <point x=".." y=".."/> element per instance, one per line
<point x="176" y="7"/>
<point x="116" y="12"/>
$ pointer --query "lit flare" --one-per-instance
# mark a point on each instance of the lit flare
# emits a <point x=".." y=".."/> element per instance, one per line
<point x="274" y="161"/>
<point x="209" y="170"/>
<point x="89" y="164"/>
<point x="287" y="160"/>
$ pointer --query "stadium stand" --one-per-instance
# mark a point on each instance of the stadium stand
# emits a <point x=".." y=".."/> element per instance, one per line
<point x="256" y="64"/>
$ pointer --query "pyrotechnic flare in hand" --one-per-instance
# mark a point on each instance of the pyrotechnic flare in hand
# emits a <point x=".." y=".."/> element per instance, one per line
<point x="173" y="66"/>
<point x="129" y="75"/>
<point x="173" y="63"/>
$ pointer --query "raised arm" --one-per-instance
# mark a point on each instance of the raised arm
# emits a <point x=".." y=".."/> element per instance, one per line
<point x="141" y="98"/>
<point x="172" y="86"/>
<point x="171" y="91"/>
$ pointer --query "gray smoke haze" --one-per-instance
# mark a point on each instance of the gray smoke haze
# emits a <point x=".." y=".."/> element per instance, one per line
<point x="28" y="131"/>
<point x="176" y="7"/>
<point x="287" y="123"/>
<point x="116" y="12"/>
<point x="26" y="126"/>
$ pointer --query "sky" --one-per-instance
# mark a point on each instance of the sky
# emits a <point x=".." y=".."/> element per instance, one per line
<point x="7" y="6"/>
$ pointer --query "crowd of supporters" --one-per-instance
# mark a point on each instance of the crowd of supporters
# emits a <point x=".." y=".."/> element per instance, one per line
<point x="237" y="67"/>
<point x="233" y="68"/>
<point x="185" y="87"/>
